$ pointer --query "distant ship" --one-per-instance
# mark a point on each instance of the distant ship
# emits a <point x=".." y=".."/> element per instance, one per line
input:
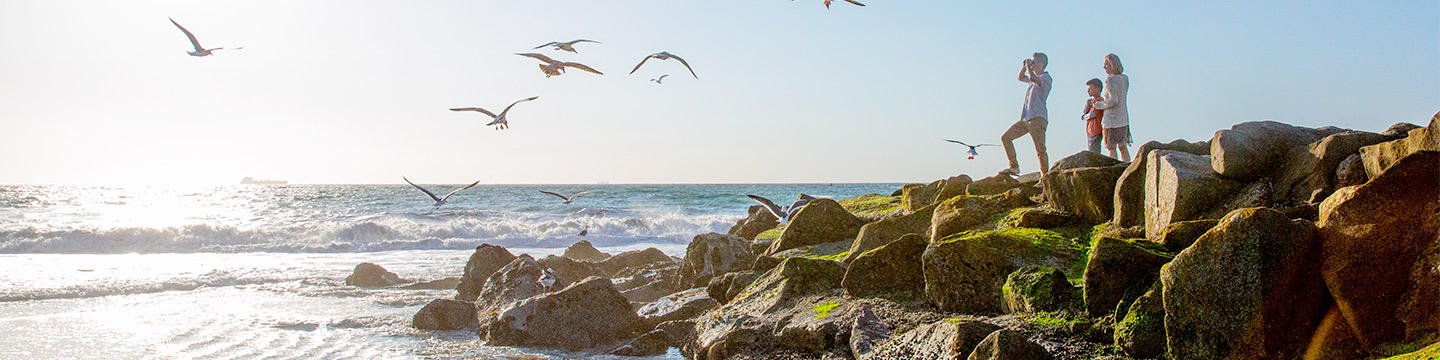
<point x="252" y="181"/>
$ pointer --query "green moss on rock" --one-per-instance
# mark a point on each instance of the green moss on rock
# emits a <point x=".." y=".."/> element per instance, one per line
<point x="823" y="309"/>
<point x="1037" y="288"/>
<point x="872" y="206"/>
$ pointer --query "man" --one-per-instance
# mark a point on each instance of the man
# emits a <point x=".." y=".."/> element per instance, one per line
<point x="1032" y="114"/>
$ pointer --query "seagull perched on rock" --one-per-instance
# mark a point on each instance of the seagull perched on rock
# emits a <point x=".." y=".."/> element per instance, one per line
<point x="552" y="67"/>
<point x="547" y="278"/>
<point x="665" y="56"/>
<point x="972" y="151"/>
<point x="570" y="198"/>
<point x="660" y="80"/>
<point x="566" y="46"/>
<point x="500" y="121"/>
<point x="784" y="213"/>
<point x="440" y="200"/>
<point x="200" y="51"/>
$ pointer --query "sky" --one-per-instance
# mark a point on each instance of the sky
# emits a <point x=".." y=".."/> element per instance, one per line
<point x="102" y="92"/>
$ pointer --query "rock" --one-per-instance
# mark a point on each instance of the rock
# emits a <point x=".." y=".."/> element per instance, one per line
<point x="892" y="268"/>
<point x="1037" y="288"/>
<point x="584" y="315"/>
<point x="1179" y="187"/>
<point x="914" y="197"/>
<point x="945" y="339"/>
<point x="1024" y="195"/>
<point x="723" y="288"/>
<point x="964" y="273"/>
<point x="954" y="186"/>
<point x="1399" y="130"/>
<point x="821" y="221"/>
<point x="1116" y="266"/>
<point x="1380" y="156"/>
<point x="709" y="255"/>
<point x="959" y="214"/>
<point x="991" y="185"/>
<point x="681" y="334"/>
<point x="650" y="292"/>
<point x="867" y="332"/>
<point x="1249" y="150"/>
<point x="1308" y="170"/>
<point x="445" y="314"/>
<point x="441" y="284"/>
<point x="371" y="275"/>
<point x="1083" y="159"/>
<point x="1333" y="339"/>
<point x="1087" y="192"/>
<point x="755" y="223"/>
<point x="1129" y="201"/>
<point x="634" y="259"/>
<point x="798" y="276"/>
<point x="484" y="261"/>
<point x="781" y="312"/>
<point x="653" y="343"/>
<point x="1350" y="172"/>
<point x="887" y="230"/>
<point x="678" y="306"/>
<point x="1008" y="345"/>
<point x="1179" y="235"/>
<point x="1141" y="332"/>
<point x="520" y="279"/>
<point x="568" y="270"/>
<point x="1039" y="218"/>
<point x="1245" y="290"/>
<point x="1381" y="248"/>
<point x="583" y="250"/>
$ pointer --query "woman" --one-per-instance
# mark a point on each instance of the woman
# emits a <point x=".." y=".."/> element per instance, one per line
<point x="1116" y="120"/>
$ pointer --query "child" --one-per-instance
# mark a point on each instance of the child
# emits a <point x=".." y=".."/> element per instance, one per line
<point x="1092" y="115"/>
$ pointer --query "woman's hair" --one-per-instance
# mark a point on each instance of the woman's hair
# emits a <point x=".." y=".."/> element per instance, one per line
<point x="1095" y="83"/>
<point x="1114" y="62"/>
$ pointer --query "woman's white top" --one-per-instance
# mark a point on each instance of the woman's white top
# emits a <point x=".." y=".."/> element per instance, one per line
<point x="1116" y="112"/>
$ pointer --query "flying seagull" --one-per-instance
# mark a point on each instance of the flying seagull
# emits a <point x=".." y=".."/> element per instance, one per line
<point x="660" y="80"/>
<point x="665" y="56"/>
<point x="566" y="46"/>
<point x="548" y="279"/>
<point x="199" y="50"/>
<point x="827" y="3"/>
<point x="500" y="122"/>
<point x="438" y="199"/>
<point x="570" y="198"/>
<point x="971" y="152"/>
<point x="552" y="67"/>
<point x="585" y="231"/>
<point x="784" y="213"/>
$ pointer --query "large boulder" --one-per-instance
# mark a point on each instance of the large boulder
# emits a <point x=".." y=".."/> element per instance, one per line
<point x="634" y="259"/>
<point x="997" y="184"/>
<point x="1037" y="288"/>
<point x="954" y="186"/>
<point x="1351" y="172"/>
<point x="959" y="214"/>
<point x="1141" y="330"/>
<point x="915" y="196"/>
<point x="1116" y="266"/>
<point x="445" y="314"/>
<point x="887" y="230"/>
<point x="821" y="221"/>
<point x="584" y="315"/>
<point x="1245" y="290"/>
<point x="484" y="261"/>
<point x="583" y="250"/>
<point x="1381" y="248"/>
<point x="1129" y="201"/>
<point x="780" y="312"/>
<point x="726" y="287"/>
<point x="371" y="275"/>
<point x="1399" y="130"/>
<point x="755" y="223"/>
<point x="678" y="306"/>
<point x="945" y="339"/>
<point x="1250" y="150"/>
<point x="1087" y="192"/>
<point x="710" y="255"/>
<point x="1307" y="175"/>
<point x="1008" y="345"/>
<point x="1181" y="186"/>
<point x="1179" y="235"/>
<point x="891" y="268"/>
<point x="568" y="271"/>
<point x="1083" y="159"/>
<point x="520" y="279"/>
<point x="1380" y="156"/>
<point x="964" y="273"/>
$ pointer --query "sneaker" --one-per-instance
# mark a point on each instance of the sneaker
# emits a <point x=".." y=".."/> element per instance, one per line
<point x="1010" y="172"/>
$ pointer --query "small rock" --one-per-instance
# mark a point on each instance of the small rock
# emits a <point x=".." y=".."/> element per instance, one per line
<point x="1084" y="159"/>
<point x="583" y="250"/>
<point x="991" y="185"/>
<point x="954" y="186"/>
<point x="653" y="343"/>
<point x="913" y="197"/>
<point x="725" y="287"/>
<point x="1179" y="235"/>
<point x="445" y="314"/>
<point x="758" y="221"/>
<point x="821" y="221"/>
<point x="887" y="230"/>
<point x="1141" y="332"/>
<point x="712" y="254"/>
<point x="892" y="268"/>
<point x="1008" y="345"/>
<point x="1037" y="288"/>
<point x="371" y="275"/>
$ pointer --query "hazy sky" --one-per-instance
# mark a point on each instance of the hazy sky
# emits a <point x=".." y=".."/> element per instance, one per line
<point x="102" y="92"/>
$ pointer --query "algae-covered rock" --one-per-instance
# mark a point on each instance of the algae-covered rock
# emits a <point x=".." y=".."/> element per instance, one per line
<point x="1129" y="204"/>
<point x="584" y="315"/>
<point x="916" y="197"/>
<point x="820" y="221"/>
<point x="991" y="185"/>
<point x="1250" y="150"/>
<point x="1141" y="331"/>
<point x="568" y="271"/>
<point x="891" y="268"/>
<point x="1039" y="218"/>
<point x="712" y="254"/>
<point x="482" y="263"/>
<point x="870" y="207"/>
<point x="1037" y="288"/>
<point x="1008" y="345"/>
<point x="884" y="231"/>
<point x="964" y="272"/>
<point x="1084" y="159"/>
<point x="632" y="260"/>
<point x="583" y="250"/>
<point x="1381" y="156"/>
<point x="445" y="314"/>
<point x="954" y="186"/>
<point x="371" y="275"/>
<point x="725" y="287"/>
<point x="1246" y="289"/>
<point x="1087" y="192"/>
<point x="1179" y="187"/>
<point x="959" y="214"/>
<point x="1179" y="235"/>
<point x="757" y="221"/>
<point x="1117" y="265"/>
<point x="944" y="339"/>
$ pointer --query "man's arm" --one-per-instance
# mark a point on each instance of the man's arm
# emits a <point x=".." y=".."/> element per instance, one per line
<point x="1024" y="71"/>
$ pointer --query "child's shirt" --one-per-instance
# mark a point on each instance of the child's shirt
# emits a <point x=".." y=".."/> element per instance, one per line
<point x="1092" y="117"/>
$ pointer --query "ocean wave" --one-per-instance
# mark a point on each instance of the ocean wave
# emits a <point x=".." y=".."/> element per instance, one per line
<point x="94" y="290"/>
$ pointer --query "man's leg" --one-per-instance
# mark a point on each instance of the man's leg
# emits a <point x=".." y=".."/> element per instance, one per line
<point x="1008" y="140"/>
<point x="1036" y="127"/>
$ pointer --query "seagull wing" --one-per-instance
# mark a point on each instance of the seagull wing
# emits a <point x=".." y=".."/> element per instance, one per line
<point x="193" y="42"/>
<point x="540" y="57"/>
<point x="958" y="142"/>
<point x="562" y="197"/>
<point x="769" y="205"/>
<point x="482" y="111"/>
<point x="987" y="145"/>
<point x="687" y="66"/>
<point x="507" y="108"/>
<point x="572" y="42"/>
<point x="582" y="67"/>
<point x="581" y="193"/>
<point x="427" y="192"/>
<point x="452" y="192"/>
<point x="546" y="44"/>
<point x="662" y="77"/>
<point x="642" y="62"/>
<point x="855" y="2"/>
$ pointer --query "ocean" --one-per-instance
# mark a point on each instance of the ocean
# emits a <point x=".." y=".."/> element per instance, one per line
<point x="257" y="271"/>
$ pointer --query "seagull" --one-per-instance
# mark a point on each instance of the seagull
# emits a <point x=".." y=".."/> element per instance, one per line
<point x="566" y="46"/>
<point x="971" y="152"/>
<point x="570" y="198"/>
<point x="552" y="67"/>
<point x="785" y="213"/>
<point x="438" y="199"/>
<point x="200" y="51"/>
<point x="585" y="231"/>
<point x="827" y="3"/>
<point x="500" y="122"/>
<point x="665" y="56"/>
<point x="660" y="79"/>
<point x="548" y="279"/>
